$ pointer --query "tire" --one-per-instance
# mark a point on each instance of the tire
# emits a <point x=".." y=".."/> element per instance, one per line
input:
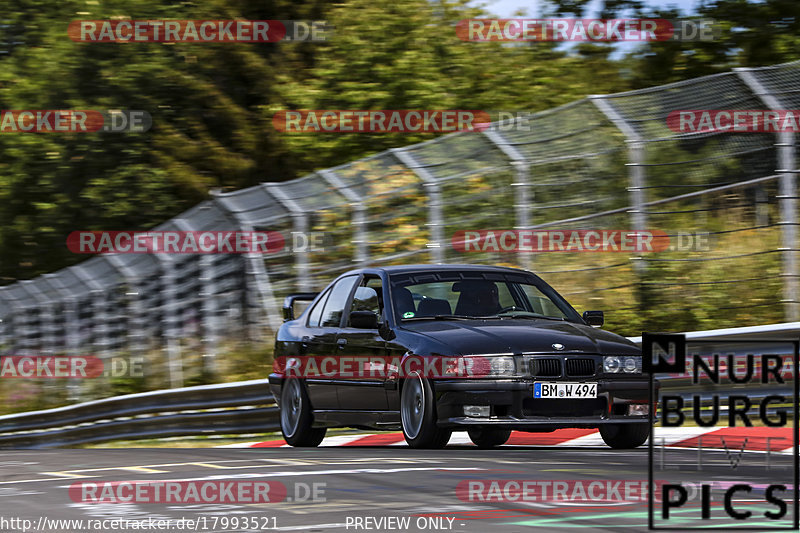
<point x="625" y="436"/>
<point x="488" y="438"/>
<point x="296" y="417"/>
<point x="418" y="415"/>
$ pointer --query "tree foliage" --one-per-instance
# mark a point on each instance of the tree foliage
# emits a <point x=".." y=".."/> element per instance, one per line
<point x="212" y="104"/>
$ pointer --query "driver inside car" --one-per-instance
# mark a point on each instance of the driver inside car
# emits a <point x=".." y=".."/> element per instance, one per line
<point x="478" y="298"/>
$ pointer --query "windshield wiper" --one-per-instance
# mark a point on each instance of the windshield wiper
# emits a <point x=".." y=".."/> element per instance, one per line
<point x="517" y="315"/>
<point x="441" y="317"/>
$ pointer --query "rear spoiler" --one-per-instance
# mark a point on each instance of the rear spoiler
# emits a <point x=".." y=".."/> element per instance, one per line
<point x="288" y="303"/>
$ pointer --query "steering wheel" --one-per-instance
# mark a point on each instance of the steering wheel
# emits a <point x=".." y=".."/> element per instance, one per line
<point x="509" y="308"/>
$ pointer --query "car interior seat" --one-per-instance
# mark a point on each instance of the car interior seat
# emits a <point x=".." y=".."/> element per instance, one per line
<point x="403" y="302"/>
<point x="433" y="307"/>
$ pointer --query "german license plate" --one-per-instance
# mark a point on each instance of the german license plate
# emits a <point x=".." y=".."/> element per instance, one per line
<point x="564" y="390"/>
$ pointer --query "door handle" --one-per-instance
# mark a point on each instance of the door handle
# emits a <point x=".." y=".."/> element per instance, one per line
<point x="341" y="343"/>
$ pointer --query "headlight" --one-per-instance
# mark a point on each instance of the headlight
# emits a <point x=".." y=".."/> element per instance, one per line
<point x="502" y="366"/>
<point x="631" y="365"/>
<point x="613" y="364"/>
<point x="488" y="366"/>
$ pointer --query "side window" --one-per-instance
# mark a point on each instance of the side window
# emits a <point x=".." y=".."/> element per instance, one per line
<point x="505" y="297"/>
<point x="540" y="302"/>
<point x="316" y="313"/>
<point x="368" y="297"/>
<point x="334" y="307"/>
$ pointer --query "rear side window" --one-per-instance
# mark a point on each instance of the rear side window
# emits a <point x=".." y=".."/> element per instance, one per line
<point x="334" y="306"/>
<point x="316" y="312"/>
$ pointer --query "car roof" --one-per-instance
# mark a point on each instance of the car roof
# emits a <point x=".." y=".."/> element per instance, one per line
<point x="403" y="269"/>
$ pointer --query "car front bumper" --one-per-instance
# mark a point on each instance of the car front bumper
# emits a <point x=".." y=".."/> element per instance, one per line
<point x="512" y="405"/>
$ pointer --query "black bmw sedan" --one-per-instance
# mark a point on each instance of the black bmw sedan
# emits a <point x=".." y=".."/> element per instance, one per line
<point x="432" y="349"/>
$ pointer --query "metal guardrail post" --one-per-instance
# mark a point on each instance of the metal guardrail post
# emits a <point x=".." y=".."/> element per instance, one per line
<point x="135" y="333"/>
<point x="358" y="217"/>
<point x="169" y="320"/>
<point x="17" y="327"/>
<point x="787" y="170"/>
<point x="522" y="185"/>
<point x="5" y="327"/>
<point x="258" y="288"/>
<point x="636" y="159"/>
<point x="20" y="323"/>
<point x="70" y="344"/>
<point x="208" y="301"/>
<point x="98" y="305"/>
<point x="69" y="309"/>
<point x="46" y="322"/>
<point x="434" y="191"/>
<point x="100" y="326"/>
<point x="208" y="295"/>
<point x="71" y="325"/>
<point x="300" y="225"/>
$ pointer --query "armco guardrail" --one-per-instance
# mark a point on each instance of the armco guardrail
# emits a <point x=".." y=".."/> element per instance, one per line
<point x="243" y="407"/>
<point x="229" y="408"/>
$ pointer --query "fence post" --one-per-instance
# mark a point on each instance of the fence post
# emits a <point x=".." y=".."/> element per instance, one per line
<point x="787" y="169"/>
<point x="358" y="217"/>
<point x="98" y="305"/>
<point x="5" y="322"/>
<point x="635" y="164"/>
<point x="434" y="192"/>
<point x="300" y="225"/>
<point x="170" y="319"/>
<point x="46" y="322"/>
<point x="135" y="331"/>
<point x="255" y="275"/>
<point x="209" y="305"/>
<point x="522" y="205"/>
<point x="21" y="322"/>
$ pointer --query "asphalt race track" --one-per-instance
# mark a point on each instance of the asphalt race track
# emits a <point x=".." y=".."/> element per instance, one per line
<point x="366" y="482"/>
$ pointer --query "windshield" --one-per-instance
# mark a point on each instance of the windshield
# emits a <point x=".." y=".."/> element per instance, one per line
<point x="501" y="296"/>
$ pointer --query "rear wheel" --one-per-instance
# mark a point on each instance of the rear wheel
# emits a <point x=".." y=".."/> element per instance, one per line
<point x="296" y="417"/>
<point x="625" y="436"/>
<point x="488" y="438"/>
<point x="418" y="415"/>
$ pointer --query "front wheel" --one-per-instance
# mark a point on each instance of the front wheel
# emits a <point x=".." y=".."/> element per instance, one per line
<point x="625" y="436"/>
<point x="418" y="415"/>
<point x="488" y="438"/>
<point x="296" y="417"/>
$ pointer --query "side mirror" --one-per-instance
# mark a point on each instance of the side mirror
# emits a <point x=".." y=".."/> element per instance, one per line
<point x="593" y="318"/>
<point x="363" y="320"/>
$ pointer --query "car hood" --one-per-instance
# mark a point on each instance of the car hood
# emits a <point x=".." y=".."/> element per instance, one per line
<point x="489" y="336"/>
